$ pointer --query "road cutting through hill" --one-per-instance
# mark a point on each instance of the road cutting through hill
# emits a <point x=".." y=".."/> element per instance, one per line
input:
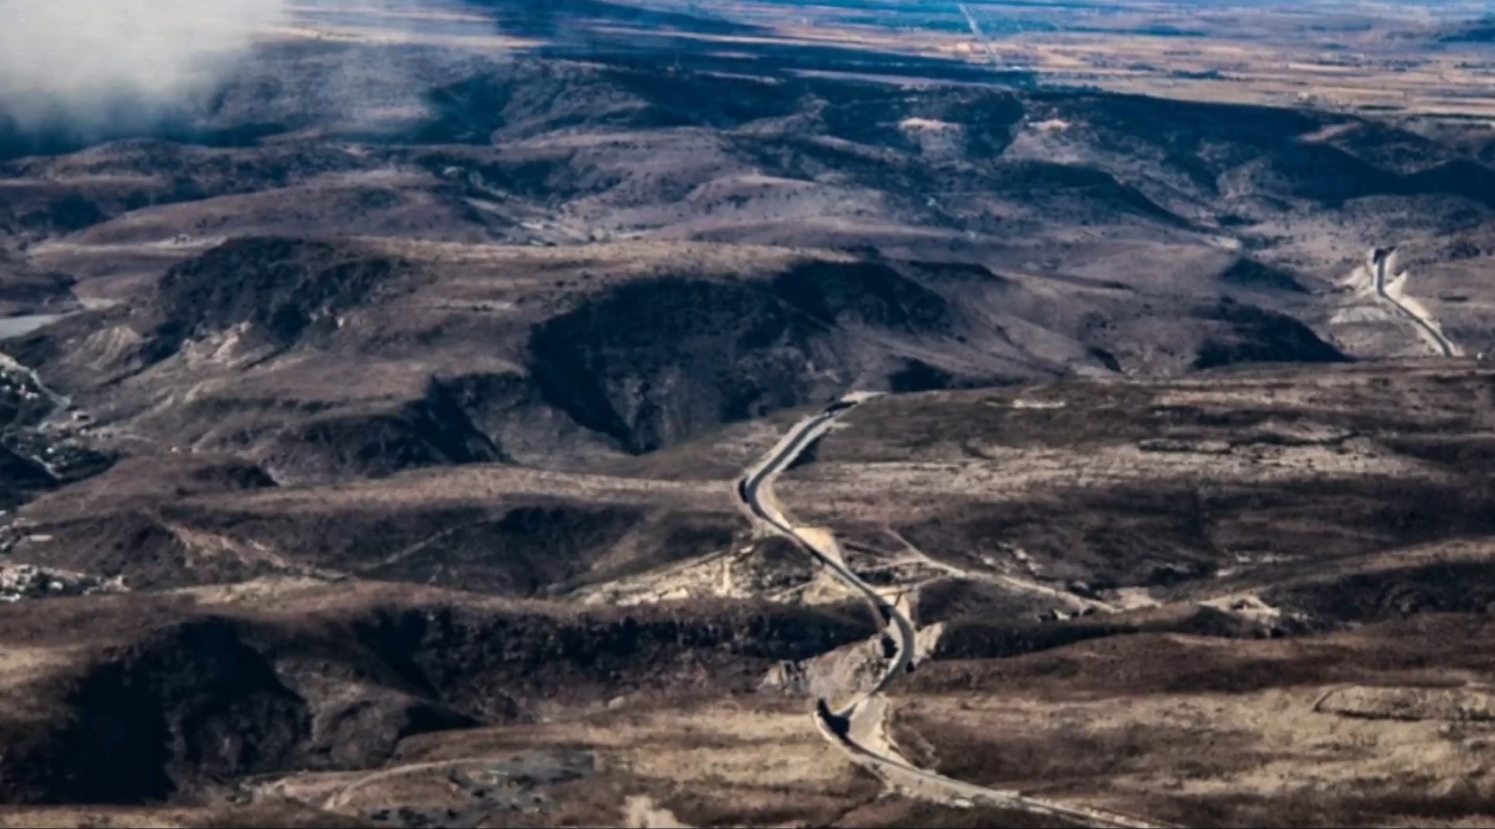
<point x="1413" y="310"/>
<point x="858" y="727"/>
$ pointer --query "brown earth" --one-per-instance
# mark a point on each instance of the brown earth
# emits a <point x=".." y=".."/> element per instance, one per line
<point x="199" y="689"/>
<point x="392" y="435"/>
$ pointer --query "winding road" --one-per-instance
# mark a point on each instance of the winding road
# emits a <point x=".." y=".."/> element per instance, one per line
<point x="857" y="727"/>
<point x="1380" y="261"/>
<point x="755" y="490"/>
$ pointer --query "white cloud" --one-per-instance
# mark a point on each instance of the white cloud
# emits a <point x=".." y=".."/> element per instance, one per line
<point x="80" y="61"/>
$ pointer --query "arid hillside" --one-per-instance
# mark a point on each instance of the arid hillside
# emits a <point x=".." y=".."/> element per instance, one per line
<point x="502" y="415"/>
<point x="1160" y="592"/>
<point x="483" y="267"/>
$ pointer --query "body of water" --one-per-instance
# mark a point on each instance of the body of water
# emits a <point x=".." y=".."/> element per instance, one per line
<point x="17" y="326"/>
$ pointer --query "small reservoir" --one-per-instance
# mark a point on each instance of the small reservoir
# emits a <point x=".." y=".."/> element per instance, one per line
<point x="18" y="326"/>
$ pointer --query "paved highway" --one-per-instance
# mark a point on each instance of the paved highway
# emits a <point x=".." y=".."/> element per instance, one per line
<point x="755" y="489"/>
<point x="1380" y="258"/>
<point x="848" y="726"/>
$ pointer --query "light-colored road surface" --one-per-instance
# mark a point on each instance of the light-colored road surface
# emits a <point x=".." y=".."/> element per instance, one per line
<point x="339" y="799"/>
<point x="1021" y="585"/>
<point x="980" y="35"/>
<point x="858" y="726"/>
<point x="1410" y="308"/>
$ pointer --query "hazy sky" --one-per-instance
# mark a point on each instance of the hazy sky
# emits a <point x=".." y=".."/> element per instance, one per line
<point x="76" y="60"/>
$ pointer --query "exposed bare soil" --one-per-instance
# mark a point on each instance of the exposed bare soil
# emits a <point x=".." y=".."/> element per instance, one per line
<point x="367" y="459"/>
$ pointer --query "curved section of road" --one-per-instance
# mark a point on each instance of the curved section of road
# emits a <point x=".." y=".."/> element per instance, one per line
<point x="755" y="490"/>
<point x="1380" y="260"/>
<point x="857" y="727"/>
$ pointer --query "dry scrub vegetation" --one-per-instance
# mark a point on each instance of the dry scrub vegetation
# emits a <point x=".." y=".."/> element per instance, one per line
<point x="393" y="438"/>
